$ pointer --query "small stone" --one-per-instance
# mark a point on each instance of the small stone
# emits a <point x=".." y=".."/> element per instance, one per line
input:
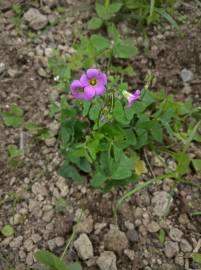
<point x="36" y="237"/>
<point x="35" y="19"/>
<point x="130" y="254"/>
<point x="186" y="75"/>
<point x="179" y="259"/>
<point x="61" y="184"/>
<point x="51" y="3"/>
<point x="29" y="259"/>
<point x="59" y="241"/>
<point x="175" y="234"/>
<point x="84" y="247"/>
<point x="47" y="216"/>
<point x="17" y="219"/>
<point x="51" y="244"/>
<point x="187" y="89"/>
<point x="153" y="227"/>
<point x="85" y="225"/>
<point x="28" y="245"/>
<point x="48" y="52"/>
<point x="129" y="225"/>
<point x="2" y="67"/>
<point x="171" y="249"/>
<point x="20" y="266"/>
<point x="185" y="246"/>
<point x="13" y="72"/>
<point x="107" y="261"/>
<point x="99" y="226"/>
<point x="116" y="240"/>
<point x="16" y="243"/>
<point x="132" y="236"/>
<point x="161" y="201"/>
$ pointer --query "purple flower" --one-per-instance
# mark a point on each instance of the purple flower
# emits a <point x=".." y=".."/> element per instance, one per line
<point x="131" y="97"/>
<point x="94" y="82"/>
<point x="79" y="92"/>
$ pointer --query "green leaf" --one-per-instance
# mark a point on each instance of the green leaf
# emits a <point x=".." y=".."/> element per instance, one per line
<point x="98" y="179"/>
<point x="7" y="230"/>
<point x="13" y="151"/>
<point x="74" y="266"/>
<point x="48" y="259"/>
<point x="197" y="164"/>
<point x="161" y="236"/>
<point x="69" y="171"/>
<point x="94" y="23"/>
<point x="113" y="32"/>
<point x="114" y="8"/>
<point x="14" y="117"/>
<point x="119" y="113"/>
<point x="94" y="111"/>
<point x="123" y="169"/>
<point x="99" y="42"/>
<point x="182" y="163"/>
<point x="101" y="11"/>
<point x="166" y="16"/>
<point x="156" y="132"/>
<point x="125" y="49"/>
<point x="54" y="108"/>
<point x="83" y="165"/>
<point x="86" y="107"/>
<point x="196" y="257"/>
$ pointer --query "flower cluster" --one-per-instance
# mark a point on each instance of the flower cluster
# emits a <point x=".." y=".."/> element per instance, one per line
<point x="91" y="84"/>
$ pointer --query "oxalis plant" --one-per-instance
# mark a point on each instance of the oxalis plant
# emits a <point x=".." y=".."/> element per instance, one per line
<point x="105" y="127"/>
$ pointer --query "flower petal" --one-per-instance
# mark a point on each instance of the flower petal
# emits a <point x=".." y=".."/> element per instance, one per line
<point x="89" y="92"/>
<point x="92" y="73"/>
<point x="84" y="80"/>
<point x="100" y="89"/>
<point x="102" y="78"/>
<point x="75" y="85"/>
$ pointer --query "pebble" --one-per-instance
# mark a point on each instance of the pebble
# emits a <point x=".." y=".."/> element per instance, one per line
<point x="107" y="261"/>
<point x="175" y="234"/>
<point x="47" y="216"/>
<point x="85" y="225"/>
<point x="59" y="241"/>
<point x="153" y="227"/>
<point x="130" y="254"/>
<point x="63" y="187"/>
<point x="99" y="226"/>
<point x="16" y="243"/>
<point x="115" y="240"/>
<point x="28" y="244"/>
<point x="29" y="259"/>
<point x="84" y="247"/>
<point x="2" y="67"/>
<point x="171" y="249"/>
<point x="35" y="19"/>
<point x="179" y="259"/>
<point x="161" y="202"/>
<point x="185" y="246"/>
<point x="186" y="75"/>
<point x="132" y="235"/>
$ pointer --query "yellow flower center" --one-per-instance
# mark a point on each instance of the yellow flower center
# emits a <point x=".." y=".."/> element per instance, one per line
<point x="81" y="90"/>
<point x="93" y="82"/>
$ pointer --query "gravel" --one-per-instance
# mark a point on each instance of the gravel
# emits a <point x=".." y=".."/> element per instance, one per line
<point x="171" y="249"/>
<point x="161" y="202"/>
<point x="186" y="75"/>
<point x="115" y="240"/>
<point x="175" y="234"/>
<point x="185" y="246"/>
<point x="35" y="19"/>
<point x="107" y="261"/>
<point x="84" y="247"/>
